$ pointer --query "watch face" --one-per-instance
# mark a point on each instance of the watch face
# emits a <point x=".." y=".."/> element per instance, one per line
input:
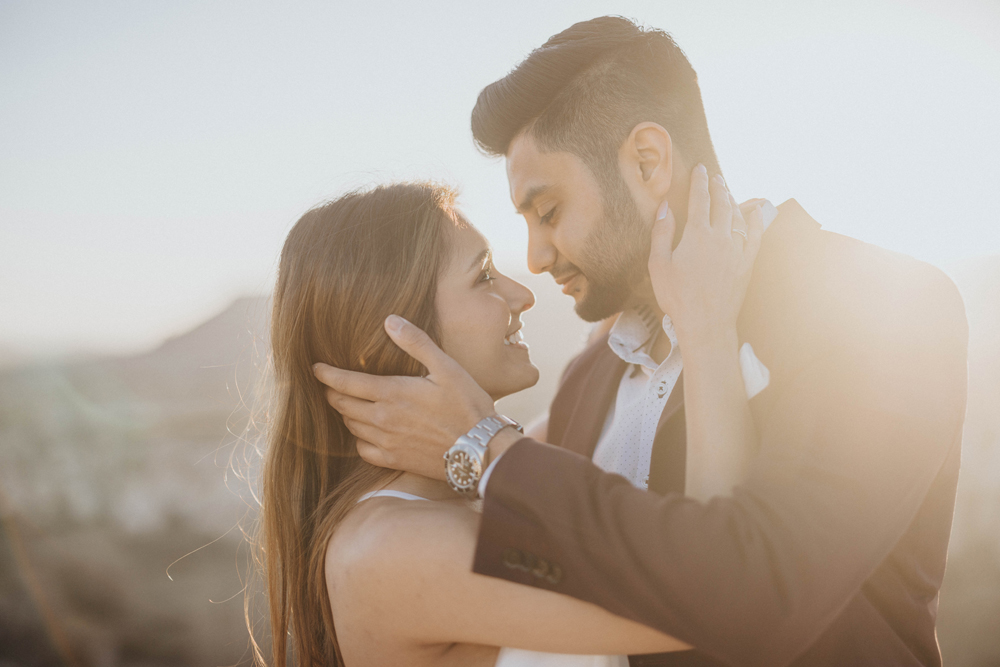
<point x="464" y="468"/>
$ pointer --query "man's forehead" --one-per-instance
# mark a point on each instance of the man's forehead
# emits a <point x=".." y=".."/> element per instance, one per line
<point x="532" y="172"/>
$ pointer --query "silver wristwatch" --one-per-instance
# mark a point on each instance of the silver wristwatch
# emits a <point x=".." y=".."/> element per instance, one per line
<point x="464" y="463"/>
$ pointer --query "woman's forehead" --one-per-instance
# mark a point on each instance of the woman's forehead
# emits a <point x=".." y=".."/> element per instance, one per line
<point x="468" y="245"/>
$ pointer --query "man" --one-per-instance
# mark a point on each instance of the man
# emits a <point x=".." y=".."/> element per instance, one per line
<point x="833" y="549"/>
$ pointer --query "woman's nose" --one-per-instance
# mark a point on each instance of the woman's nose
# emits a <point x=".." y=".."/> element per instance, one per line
<point x="519" y="298"/>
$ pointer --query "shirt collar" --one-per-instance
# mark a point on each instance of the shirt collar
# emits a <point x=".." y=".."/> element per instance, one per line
<point x="633" y="334"/>
<point x="768" y="213"/>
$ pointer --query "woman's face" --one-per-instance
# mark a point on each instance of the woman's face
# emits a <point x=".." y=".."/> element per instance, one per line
<point x="478" y="312"/>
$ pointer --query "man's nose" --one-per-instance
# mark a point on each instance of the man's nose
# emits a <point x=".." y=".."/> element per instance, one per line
<point x="541" y="252"/>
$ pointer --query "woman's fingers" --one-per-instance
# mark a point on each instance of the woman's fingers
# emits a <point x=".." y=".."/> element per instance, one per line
<point x="755" y="231"/>
<point x="721" y="213"/>
<point x="738" y="224"/>
<point x="699" y="200"/>
<point x="749" y="205"/>
<point x="662" y="236"/>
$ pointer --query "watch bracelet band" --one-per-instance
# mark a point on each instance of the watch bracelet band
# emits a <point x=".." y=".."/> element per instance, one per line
<point x="479" y="436"/>
<point x="488" y="427"/>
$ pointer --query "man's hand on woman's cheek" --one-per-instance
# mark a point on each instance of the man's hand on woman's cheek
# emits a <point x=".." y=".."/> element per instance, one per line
<point x="407" y="423"/>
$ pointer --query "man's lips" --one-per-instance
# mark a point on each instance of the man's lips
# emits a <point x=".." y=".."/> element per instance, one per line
<point x="568" y="281"/>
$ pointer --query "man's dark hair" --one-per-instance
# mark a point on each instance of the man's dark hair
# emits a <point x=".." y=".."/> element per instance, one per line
<point x="586" y="88"/>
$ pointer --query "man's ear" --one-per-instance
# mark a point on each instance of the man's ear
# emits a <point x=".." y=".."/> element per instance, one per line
<point x="647" y="157"/>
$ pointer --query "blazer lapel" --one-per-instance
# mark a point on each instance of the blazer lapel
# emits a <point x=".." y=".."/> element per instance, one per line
<point x="583" y="429"/>
<point x="667" y="465"/>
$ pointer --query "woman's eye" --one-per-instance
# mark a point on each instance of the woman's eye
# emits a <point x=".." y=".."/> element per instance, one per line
<point x="486" y="276"/>
<point x="547" y="218"/>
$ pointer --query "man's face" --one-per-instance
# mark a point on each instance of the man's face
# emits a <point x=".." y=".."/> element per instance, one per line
<point x="592" y="239"/>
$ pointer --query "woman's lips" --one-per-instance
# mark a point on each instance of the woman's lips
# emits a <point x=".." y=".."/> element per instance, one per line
<point x="516" y="339"/>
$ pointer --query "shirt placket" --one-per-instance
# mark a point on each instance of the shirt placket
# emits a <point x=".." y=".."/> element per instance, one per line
<point x="658" y="389"/>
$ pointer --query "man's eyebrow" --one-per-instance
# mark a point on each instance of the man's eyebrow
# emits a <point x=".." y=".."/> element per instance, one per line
<point x="529" y="198"/>
<point x="480" y="259"/>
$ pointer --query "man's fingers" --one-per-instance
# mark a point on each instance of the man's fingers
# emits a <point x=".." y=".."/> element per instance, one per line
<point x="371" y="454"/>
<point x="350" y="407"/>
<point x="418" y="345"/>
<point x="662" y="237"/>
<point x="363" y="431"/>
<point x="698" y="198"/>
<point x="360" y="385"/>
<point x="721" y="206"/>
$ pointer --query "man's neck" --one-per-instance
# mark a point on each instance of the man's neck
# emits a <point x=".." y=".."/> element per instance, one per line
<point x="643" y="296"/>
<point x="661" y="347"/>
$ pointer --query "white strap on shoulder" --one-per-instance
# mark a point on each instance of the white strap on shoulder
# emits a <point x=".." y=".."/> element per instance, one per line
<point x="389" y="493"/>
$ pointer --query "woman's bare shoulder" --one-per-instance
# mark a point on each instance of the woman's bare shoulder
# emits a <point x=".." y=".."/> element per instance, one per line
<point x="385" y="534"/>
<point x="385" y="565"/>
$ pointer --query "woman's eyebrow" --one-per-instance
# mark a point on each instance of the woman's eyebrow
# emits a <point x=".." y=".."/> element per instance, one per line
<point x="480" y="259"/>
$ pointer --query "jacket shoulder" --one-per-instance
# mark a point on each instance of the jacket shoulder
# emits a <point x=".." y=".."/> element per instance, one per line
<point x="884" y="297"/>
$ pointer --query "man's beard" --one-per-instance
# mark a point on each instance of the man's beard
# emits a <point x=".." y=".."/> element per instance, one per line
<point x="615" y="255"/>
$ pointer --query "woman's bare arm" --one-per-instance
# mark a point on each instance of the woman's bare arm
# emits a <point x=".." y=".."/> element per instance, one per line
<point x="407" y="576"/>
<point x="722" y="439"/>
<point x="701" y="284"/>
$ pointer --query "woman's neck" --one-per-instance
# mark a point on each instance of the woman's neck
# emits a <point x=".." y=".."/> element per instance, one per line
<point x="425" y="487"/>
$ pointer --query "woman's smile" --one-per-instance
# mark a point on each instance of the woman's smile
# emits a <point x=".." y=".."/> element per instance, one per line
<point x="476" y="304"/>
<point x="516" y="340"/>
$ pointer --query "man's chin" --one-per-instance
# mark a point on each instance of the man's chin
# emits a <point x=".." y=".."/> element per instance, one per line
<point x="596" y="307"/>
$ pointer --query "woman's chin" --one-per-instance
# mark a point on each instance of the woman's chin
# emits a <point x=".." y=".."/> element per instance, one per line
<point x="526" y="378"/>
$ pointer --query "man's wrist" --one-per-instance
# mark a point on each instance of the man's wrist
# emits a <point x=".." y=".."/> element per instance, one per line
<point x="502" y="441"/>
<point x="498" y="446"/>
<point x="468" y="460"/>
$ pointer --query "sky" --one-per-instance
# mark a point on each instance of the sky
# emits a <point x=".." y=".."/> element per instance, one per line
<point x="153" y="156"/>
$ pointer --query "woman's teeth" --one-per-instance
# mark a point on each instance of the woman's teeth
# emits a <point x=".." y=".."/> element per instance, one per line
<point x="516" y="339"/>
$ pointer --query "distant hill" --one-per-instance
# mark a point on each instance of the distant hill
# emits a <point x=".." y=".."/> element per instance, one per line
<point x="113" y="468"/>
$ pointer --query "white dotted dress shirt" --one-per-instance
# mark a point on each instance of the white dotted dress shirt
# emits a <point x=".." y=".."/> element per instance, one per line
<point x="626" y="443"/>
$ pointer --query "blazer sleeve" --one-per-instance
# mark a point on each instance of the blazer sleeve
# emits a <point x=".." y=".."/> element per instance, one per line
<point x="850" y="447"/>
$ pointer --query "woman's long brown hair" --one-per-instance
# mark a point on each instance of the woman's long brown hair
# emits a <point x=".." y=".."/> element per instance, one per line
<point x="344" y="268"/>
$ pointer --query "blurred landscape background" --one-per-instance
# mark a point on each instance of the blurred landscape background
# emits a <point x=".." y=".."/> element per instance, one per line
<point x="154" y="155"/>
<point x="117" y="471"/>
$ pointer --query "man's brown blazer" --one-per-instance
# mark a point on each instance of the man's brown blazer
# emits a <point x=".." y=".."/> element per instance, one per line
<point x="833" y="550"/>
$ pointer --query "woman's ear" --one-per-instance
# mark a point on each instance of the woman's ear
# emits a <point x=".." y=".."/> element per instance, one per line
<point x="647" y="157"/>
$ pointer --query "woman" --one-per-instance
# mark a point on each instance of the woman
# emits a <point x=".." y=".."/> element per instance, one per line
<point x="367" y="566"/>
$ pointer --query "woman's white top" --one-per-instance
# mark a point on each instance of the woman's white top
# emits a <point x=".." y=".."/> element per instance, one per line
<point x="512" y="657"/>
